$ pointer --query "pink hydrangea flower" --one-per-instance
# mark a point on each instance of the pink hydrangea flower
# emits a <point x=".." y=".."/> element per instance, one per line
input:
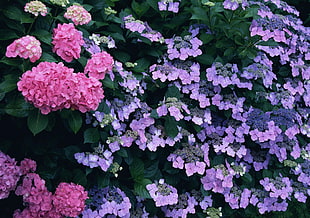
<point x="88" y="93"/>
<point x="78" y="15"/>
<point x="25" y="47"/>
<point x="69" y="199"/>
<point x="27" y="165"/>
<point x="99" y="64"/>
<point x="36" y="8"/>
<point x="67" y="42"/>
<point x="51" y="87"/>
<point x="36" y="196"/>
<point x="9" y="175"/>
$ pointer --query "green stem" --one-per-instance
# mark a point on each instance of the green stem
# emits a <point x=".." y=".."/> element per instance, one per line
<point x="28" y="31"/>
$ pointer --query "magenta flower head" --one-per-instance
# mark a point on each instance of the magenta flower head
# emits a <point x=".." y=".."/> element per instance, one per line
<point x="69" y="199"/>
<point x="36" y="8"/>
<point x="99" y="64"/>
<point x="67" y="42"/>
<point x="25" y="47"/>
<point x="9" y="175"/>
<point x="162" y="193"/>
<point x="78" y="15"/>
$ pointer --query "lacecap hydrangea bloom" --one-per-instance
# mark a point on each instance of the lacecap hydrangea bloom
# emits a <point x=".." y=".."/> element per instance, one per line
<point x="107" y="202"/>
<point x="78" y="15"/>
<point x="162" y="193"/>
<point x="99" y="64"/>
<point x="25" y="47"/>
<point x="9" y="175"/>
<point x="67" y="42"/>
<point x="36" y="8"/>
<point x="51" y="87"/>
<point x="69" y="199"/>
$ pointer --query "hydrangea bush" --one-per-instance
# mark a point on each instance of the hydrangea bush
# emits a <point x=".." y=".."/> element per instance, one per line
<point x="156" y="108"/>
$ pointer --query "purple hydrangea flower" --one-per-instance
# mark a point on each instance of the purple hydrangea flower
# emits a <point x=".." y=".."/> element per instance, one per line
<point x="162" y="193"/>
<point x="186" y="205"/>
<point x="107" y="201"/>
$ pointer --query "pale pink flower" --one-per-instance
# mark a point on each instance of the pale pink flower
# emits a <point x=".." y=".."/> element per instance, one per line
<point x="67" y="42"/>
<point x="25" y="47"/>
<point x="78" y="15"/>
<point x="99" y="64"/>
<point x="36" y="8"/>
<point x="69" y="199"/>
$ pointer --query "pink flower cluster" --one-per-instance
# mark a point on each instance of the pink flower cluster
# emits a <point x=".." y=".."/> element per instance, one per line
<point x="36" y="196"/>
<point x="25" y="47"/>
<point x="67" y="42"/>
<point x="69" y="199"/>
<point x="51" y="87"/>
<point x="9" y="175"/>
<point x="36" y="8"/>
<point x="78" y="15"/>
<point x="99" y="64"/>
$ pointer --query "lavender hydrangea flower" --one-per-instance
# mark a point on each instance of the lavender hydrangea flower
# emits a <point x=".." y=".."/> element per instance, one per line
<point x="193" y="158"/>
<point x="279" y="187"/>
<point x="231" y="4"/>
<point x="133" y="25"/>
<point x="162" y="193"/>
<point x="186" y="205"/>
<point x="225" y="75"/>
<point x="105" y="201"/>
<point x="169" y="5"/>
<point x="218" y="179"/>
<point x="99" y="158"/>
<point x="183" y="48"/>
<point x="187" y="72"/>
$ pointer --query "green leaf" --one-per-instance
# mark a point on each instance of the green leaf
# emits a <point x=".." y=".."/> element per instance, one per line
<point x="206" y="59"/>
<point x="268" y="43"/>
<point x="6" y="34"/>
<point x="121" y="56"/>
<point x="122" y="153"/>
<point x="70" y="151"/>
<point x="107" y="82"/>
<point x="13" y="13"/>
<point x="171" y="128"/>
<point x="173" y="91"/>
<point x="140" y="8"/>
<point x="140" y="188"/>
<point x="103" y="180"/>
<point x="11" y="61"/>
<point x="79" y="177"/>
<point x="17" y="107"/>
<point x="199" y="13"/>
<point x="36" y="121"/>
<point x="247" y="178"/>
<point x="43" y="36"/>
<point x="142" y="65"/>
<point x="151" y="170"/>
<point x="75" y="121"/>
<point x="47" y="57"/>
<point x="137" y="169"/>
<point x="8" y="84"/>
<point x="25" y="18"/>
<point x="91" y="135"/>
